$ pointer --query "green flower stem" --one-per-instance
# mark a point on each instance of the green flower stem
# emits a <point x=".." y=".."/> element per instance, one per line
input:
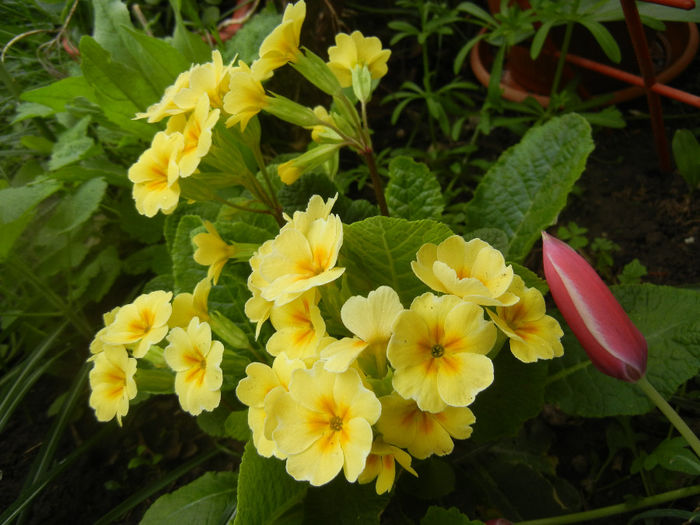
<point x="368" y="154"/>
<point x="564" y="51"/>
<point x="670" y="414"/>
<point x="620" y="508"/>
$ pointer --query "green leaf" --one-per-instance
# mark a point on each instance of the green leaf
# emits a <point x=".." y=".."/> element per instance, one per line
<point x="632" y="272"/>
<point x="58" y="94"/>
<point x="76" y="208"/>
<point x="95" y="280"/>
<point x="516" y="395"/>
<point x="379" y="250"/>
<point x="208" y="500"/>
<point x="495" y="237"/>
<point x="436" y="479"/>
<point x="236" y="425"/>
<point x="72" y="145"/>
<point x="668" y="319"/>
<point x="673" y="454"/>
<point x="120" y="90"/>
<point x="343" y="503"/>
<point x="15" y="202"/>
<point x="524" y="191"/>
<point x="265" y="491"/>
<point x="413" y="191"/>
<point x="111" y="21"/>
<point x="213" y="422"/>
<point x="451" y="516"/>
<point x="191" y="45"/>
<point x="31" y="110"/>
<point x="605" y="40"/>
<point x="155" y="380"/>
<point x="686" y="153"/>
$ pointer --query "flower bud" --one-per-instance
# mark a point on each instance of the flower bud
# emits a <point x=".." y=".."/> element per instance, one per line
<point x="614" y="345"/>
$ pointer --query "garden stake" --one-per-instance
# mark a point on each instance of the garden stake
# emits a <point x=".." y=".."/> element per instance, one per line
<point x="641" y="50"/>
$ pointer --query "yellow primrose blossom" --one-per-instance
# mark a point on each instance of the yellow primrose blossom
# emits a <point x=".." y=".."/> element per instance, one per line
<point x="381" y="464"/>
<point x="196" y="131"/>
<point x="112" y="383"/>
<point x="438" y="351"/>
<point x="142" y="323"/>
<point x="423" y="434"/>
<point x="211" y="79"/>
<point x="299" y="326"/>
<point x="316" y="209"/>
<point x="282" y="44"/>
<point x="212" y="251"/>
<point x="324" y="424"/>
<point x="245" y="98"/>
<point x="370" y="320"/>
<point x="166" y="106"/>
<point x="97" y="345"/>
<point x="357" y="50"/>
<point x="259" y="391"/>
<point x="298" y="260"/>
<point x="155" y="175"/>
<point x="196" y="359"/>
<point x="188" y="305"/>
<point x="533" y="335"/>
<point x="289" y="172"/>
<point x="258" y="309"/>
<point x="472" y="270"/>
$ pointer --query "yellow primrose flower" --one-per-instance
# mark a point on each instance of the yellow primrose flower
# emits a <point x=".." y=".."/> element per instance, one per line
<point x="288" y="172"/>
<point x="356" y="50"/>
<point x="472" y="270"/>
<point x="155" y="175"/>
<point x="97" y="345"/>
<point x="196" y="131"/>
<point x="324" y="423"/>
<point x="300" y="260"/>
<point x="188" y="305"/>
<point x="316" y="209"/>
<point x="299" y="326"/>
<point x="112" y="383"/>
<point x="438" y="351"/>
<point x="211" y="79"/>
<point x="282" y="44"/>
<point x="212" y="251"/>
<point x="381" y="464"/>
<point x="142" y="323"/>
<point x="196" y="359"/>
<point x="259" y="390"/>
<point x="370" y="320"/>
<point x="533" y="335"/>
<point x="167" y="107"/>
<point x="245" y="98"/>
<point x="405" y="425"/>
<point x="258" y="309"/>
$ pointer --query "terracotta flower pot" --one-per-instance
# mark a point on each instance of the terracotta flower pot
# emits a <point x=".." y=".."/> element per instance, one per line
<point x="522" y="77"/>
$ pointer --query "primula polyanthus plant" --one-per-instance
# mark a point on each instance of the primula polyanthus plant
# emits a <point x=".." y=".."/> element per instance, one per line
<point x="358" y="383"/>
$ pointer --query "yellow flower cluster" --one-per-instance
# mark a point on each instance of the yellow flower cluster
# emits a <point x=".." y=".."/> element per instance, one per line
<point x="399" y="385"/>
<point x="192" y="106"/>
<point x="132" y="330"/>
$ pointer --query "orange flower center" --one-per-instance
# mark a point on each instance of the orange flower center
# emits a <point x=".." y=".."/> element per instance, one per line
<point x="336" y="424"/>
<point x="437" y="350"/>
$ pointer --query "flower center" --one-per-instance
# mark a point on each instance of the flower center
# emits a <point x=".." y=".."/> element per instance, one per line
<point x="437" y="350"/>
<point x="336" y="423"/>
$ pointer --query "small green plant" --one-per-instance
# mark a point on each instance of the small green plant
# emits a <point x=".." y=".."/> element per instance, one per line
<point x="686" y="153"/>
<point x="574" y="235"/>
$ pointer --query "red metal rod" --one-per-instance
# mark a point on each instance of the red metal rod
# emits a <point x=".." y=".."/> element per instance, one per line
<point x="680" y="4"/>
<point x="641" y="49"/>
<point x="629" y="78"/>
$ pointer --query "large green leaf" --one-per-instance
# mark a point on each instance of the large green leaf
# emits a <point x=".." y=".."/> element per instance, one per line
<point x="120" y="90"/>
<point x="413" y="191"/>
<point x="525" y="190"/>
<point x="265" y="491"/>
<point x="72" y="145"/>
<point x="442" y="516"/>
<point x="59" y="93"/>
<point x="516" y="395"/>
<point x="379" y="250"/>
<point x="76" y="208"/>
<point x="208" y="500"/>
<point x="186" y="272"/>
<point x="668" y="318"/>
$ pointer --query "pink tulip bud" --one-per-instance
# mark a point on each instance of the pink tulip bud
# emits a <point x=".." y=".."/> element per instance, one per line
<point x="614" y="345"/>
